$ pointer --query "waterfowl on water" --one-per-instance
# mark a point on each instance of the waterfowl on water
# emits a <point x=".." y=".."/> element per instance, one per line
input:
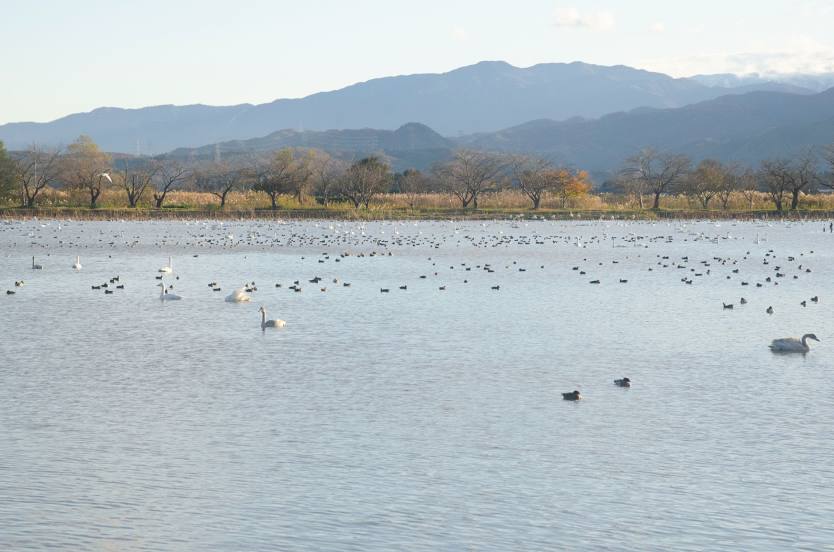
<point x="625" y="382"/>
<point x="792" y="345"/>
<point x="270" y="323"/>
<point x="572" y="396"/>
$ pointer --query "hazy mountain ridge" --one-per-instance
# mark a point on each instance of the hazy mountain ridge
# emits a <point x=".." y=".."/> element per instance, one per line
<point x="484" y="97"/>
<point x="745" y="128"/>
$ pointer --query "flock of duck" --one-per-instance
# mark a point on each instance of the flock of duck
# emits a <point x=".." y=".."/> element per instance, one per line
<point x="262" y="236"/>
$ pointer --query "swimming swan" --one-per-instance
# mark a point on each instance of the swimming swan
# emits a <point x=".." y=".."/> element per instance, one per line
<point x="238" y="296"/>
<point x="165" y="296"/>
<point x="269" y="323"/>
<point x="77" y="264"/>
<point x="792" y="345"/>
<point x="167" y="269"/>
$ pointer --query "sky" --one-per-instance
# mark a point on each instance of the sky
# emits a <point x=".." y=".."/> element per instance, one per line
<point x="64" y="57"/>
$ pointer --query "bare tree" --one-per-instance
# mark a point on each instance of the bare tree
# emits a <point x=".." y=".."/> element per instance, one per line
<point x="219" y="179"/>
<point x="706" y="182"/>
<point x="730" y="184"/>
<point x="782" y="176"/>
<point x="531" y="176"/>
<point x="747" y="185"/>
<point x="171" y="174"/>
<point x="86" y="167"/>
<point x="136" y="177"/>
<point x="632" y="186"/>
<point x="828" y="157"/>
<point x="287" y="172"/>
<point x="656" y="172"/>
<point x="326" y="175"/>
<point x="803" y="176"/>
<point x="470" y="174"/>
<point x="412" y="184"/>
<point x="36" y="169"/>
<point x="8" y="174"/>
<point x="774" y="176"/>
<point x="364" y="179"/>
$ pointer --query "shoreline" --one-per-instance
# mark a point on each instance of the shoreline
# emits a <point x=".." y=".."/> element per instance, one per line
<point x="106" y="214"/>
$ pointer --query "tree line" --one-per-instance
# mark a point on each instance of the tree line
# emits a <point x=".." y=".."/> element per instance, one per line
<point x="653" y="174"/>
<point x="466" y="177"/>
<point x="295" y="172"/>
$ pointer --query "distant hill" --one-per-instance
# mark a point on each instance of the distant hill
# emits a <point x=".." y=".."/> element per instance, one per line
<point x="484" y="97"/>
<point x="745" y="128"/>
<point x="413" y="145"/>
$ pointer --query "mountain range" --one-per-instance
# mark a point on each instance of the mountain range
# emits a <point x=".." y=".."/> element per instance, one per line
<point x="585" y="115"/>
<point x="745" y="128"/>
<point x="484" y="97"/>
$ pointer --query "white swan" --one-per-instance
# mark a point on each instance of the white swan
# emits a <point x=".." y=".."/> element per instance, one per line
<point x="77" y="264"/>
<point x="792" y="345"/>
<point x="167" y="269"/>
<point x="269" y="323"/>
<point x="165" y="296"/>
<point x="238" y="296"/>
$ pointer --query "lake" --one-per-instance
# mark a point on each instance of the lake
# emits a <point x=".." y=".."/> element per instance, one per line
<point x="419" y="418"/>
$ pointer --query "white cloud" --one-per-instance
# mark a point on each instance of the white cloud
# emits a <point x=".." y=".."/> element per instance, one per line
<point x="459" y="34"/>
<point x="658" y="27"/>
<point x="798" y="55"/>
<point x="572" y="18"/>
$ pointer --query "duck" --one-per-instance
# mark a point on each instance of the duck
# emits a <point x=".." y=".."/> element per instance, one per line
<point x="792" y="345"/>
<point x="36" y="266"/>
<point x="572" y="396"/>
<point x="625" y="382"/>
<point x="769" y="310"/>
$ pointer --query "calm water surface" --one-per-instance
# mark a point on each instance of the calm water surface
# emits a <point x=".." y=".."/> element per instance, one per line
<point x="420" y="419"/>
